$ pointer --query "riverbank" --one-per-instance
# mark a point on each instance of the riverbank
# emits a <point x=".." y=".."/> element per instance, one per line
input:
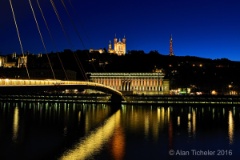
<point x="127" y="99"/>
<point x="181" y="99"/>
<point x="70" y="98"/>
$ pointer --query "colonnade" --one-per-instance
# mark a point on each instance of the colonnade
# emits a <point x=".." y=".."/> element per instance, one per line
<point x="136" y="83"/>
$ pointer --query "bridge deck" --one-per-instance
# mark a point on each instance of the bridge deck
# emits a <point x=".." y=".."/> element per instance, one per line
<point x="50" y="82"/>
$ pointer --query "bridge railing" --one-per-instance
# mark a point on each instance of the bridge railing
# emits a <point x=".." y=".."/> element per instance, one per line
<point x="50" y="82"/>
<point x="27" y="82"/>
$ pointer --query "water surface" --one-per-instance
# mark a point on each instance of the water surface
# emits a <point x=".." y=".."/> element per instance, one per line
<point x="45" y="130"/>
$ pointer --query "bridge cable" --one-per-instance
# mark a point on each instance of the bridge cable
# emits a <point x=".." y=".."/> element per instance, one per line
<point x="76" y="30"/>
<point x="53" y="42"/>
<point x="78" y="35"/>
<point x="73" y="24"/>
<point x="19" y="38"/>
<point x="68" y="39"/>
<point x="82" y="26"/>
<point x="70" y="42"/>
<point x="40" y="34"/>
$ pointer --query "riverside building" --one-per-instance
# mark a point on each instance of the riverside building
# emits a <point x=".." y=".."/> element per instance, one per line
<point x="148" y="83"/>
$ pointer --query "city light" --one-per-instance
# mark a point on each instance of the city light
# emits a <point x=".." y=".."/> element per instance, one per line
<point x="92" y="143"/>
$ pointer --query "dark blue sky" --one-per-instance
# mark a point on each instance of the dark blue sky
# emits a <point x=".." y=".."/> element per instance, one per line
<point x="203" y="28"/>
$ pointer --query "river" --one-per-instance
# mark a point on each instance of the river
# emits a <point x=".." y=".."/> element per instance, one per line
<point x="52" y="130"/>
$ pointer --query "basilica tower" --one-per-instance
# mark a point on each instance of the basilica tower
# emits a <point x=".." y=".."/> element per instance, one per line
<point x="119" y="46"/>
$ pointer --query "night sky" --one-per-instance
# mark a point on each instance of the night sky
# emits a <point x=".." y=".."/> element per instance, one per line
<point x="202" y="28"/>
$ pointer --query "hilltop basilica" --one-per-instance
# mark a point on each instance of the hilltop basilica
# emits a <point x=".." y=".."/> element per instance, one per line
<point x="118" y="47"/>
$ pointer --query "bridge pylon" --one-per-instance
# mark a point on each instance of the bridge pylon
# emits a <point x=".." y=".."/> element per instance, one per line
<point x="116" y="101"/>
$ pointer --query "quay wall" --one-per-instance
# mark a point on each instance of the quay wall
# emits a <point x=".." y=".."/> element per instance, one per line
<point x="127" y="99"/>
<point x="181" y="99"/>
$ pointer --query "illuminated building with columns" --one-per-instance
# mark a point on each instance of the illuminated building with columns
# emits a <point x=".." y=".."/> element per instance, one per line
<point x="147" y="83"/>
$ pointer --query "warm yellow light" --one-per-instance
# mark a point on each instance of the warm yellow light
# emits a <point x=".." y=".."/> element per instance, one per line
<point x="118" y="144"/>
<point x="194" y="122"/>
<point x="214" y="92"/>
<point x="146" y="125"/>
<point x="189" y="116"/>
<point x="178" y="121"/>
<point x="15" y="124"/>
<point x="230" y="127"/>
<point x="92" y="143"/>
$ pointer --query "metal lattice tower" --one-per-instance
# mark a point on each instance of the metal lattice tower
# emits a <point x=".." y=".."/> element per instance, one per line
<point x="171" y="47"/>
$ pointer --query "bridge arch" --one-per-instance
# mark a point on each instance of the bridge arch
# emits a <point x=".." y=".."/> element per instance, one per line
<point x="21" y="86"/>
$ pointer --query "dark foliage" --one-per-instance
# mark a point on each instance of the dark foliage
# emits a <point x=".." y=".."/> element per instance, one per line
<point x="182" y="71"/>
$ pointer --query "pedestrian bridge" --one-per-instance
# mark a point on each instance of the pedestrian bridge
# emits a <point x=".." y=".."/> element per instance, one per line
<point x="22" y="86"/>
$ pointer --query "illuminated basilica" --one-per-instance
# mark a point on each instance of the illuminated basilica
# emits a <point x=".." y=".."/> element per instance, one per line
<point x="119" y="46"/>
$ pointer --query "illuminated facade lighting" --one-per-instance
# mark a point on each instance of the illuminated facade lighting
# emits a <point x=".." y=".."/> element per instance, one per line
<point x="134" y="83"/>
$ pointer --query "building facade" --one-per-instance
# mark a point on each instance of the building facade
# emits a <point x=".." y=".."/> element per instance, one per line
<point x="13" y="61"/>
<point x="119" y="46"/>
<point x="3" y="61"/>
<point x="151" y="83"/>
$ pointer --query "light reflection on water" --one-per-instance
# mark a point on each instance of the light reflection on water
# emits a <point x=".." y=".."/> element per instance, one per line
<point x="43" y="130"/>
<point x="15" y="124"/>
<point x="93" y="142"/>
<point x="230" y="127"/>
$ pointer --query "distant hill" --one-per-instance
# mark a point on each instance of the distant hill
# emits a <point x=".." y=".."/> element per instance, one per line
<point x="182" y="71"/>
